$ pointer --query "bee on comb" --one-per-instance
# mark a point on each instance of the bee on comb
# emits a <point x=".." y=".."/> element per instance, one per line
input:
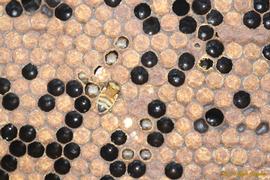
<point x="107" y="97"/>
<point x="106" y="93"/>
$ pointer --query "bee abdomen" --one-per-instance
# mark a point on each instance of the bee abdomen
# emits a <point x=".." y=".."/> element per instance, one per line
<point x="104" y="103"/>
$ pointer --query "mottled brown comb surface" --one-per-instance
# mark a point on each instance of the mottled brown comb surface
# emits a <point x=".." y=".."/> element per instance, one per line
<point x="187" y="139"/>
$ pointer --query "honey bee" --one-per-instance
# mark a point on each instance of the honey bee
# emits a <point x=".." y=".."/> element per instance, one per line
<point x="106" y="93"/>
<point x="107" y="97"/>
